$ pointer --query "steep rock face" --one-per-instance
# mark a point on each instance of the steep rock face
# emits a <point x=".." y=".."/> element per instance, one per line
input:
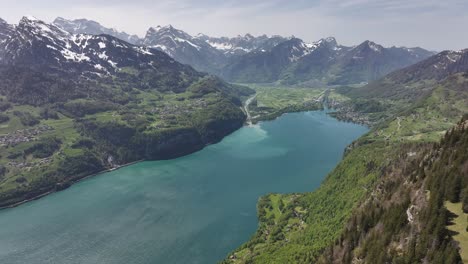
<point x="180" y="142"/>
<point x="183" y="47"/>
<point x="266" y="65"/>
<point x="6" y="32"/>
<point x="172" y="144"/>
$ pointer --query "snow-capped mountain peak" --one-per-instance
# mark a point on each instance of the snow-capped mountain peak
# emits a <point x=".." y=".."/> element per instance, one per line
<point x="39" y="28"/>
<point x="372" y="45"/>
<point x="248" y="36"/>
<point x="84" y="26"/>
<point x="170" y="40"/>
<point x="330" y="40"/>
<point x="155" y="29"/>
<point x="168" y="29"/>
<point x="302" y="49"/>
<point x="448" y="58"/>
<point x="328" y="43"/>
<point x="30" y="18"/>
<point x="43" y="45"/>
<point x="201" y="35"/>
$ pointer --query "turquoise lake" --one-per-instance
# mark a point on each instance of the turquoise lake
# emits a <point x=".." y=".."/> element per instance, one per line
<point x="194" y="209"/>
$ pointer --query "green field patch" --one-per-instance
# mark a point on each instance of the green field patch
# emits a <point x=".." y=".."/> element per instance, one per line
<point x="460" y="227"/>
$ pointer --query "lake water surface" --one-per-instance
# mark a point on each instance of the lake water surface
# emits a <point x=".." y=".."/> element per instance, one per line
<point x="194" y="209"/>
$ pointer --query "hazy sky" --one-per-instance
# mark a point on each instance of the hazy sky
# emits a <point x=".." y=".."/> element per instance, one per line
<point x="432" y="24"/>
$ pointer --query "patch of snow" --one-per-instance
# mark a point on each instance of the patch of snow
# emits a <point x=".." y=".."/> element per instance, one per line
<point x="118" y="45"/>
<point x="187" y="41"/>
<point x="81" y="40"/>
<point x="311" y="45"/>
<point x="243" y="49"/>
<point x="31" y="18"/>
<point x="77" y="57"/>
<point x="103" y="56"/>
<point x="453" y="56"/>
<point x="113" y="64"/>
<point x="375" y="47"/>
<point x="44" y="28"/>
<point x="143" y="50"/>
<point x="220" y="46"/>
<point x="161" y="47"/>
<point x="102" y="45"/>
<point x="158" y="28"/>
<point x="200" y="35"/>
<point x="51" y="47"/>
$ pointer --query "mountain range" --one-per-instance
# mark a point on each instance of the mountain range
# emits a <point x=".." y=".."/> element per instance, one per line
<point x="202" y="52"/>
<point x="85" y="26"/>
<point x="275" y="59"/>
<point x="35" y="43"/>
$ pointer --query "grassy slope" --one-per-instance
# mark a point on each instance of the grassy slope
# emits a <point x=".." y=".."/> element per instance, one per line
<point x="328" y="208"/>
<point x="459" y="226"/>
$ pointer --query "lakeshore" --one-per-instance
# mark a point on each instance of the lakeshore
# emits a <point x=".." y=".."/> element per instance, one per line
<point x="153" y="211"/>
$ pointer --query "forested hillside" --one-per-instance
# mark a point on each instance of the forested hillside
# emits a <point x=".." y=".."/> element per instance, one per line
<point x="405" y="218"/>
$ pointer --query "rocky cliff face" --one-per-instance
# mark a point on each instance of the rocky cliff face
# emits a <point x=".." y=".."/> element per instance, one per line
<point x="180" y="142"/>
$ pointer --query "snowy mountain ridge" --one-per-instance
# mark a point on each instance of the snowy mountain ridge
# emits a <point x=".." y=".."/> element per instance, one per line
<point x="35" y="42"/>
